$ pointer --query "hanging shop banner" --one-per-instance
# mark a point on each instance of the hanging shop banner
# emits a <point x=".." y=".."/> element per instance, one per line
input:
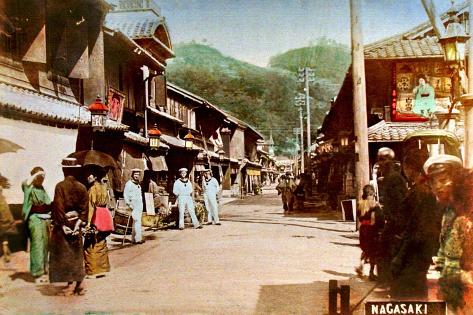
<point x="253" y="172"/>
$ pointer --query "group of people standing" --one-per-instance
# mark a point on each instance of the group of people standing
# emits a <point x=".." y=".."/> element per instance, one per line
<point x="292" y="191"/>
<point x="67" y="234"/>
<point x="424" y="210"/>
<point x="58" y="252"/>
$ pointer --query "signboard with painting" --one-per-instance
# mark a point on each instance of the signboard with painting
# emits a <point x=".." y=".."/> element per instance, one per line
<point x="115" y="103"/>
<point x="420" y="87"/>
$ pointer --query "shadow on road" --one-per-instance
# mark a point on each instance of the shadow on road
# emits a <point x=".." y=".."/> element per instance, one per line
<point x="25" y="276"/>
<point x="346" y="244"/>
<point x="341" y="274"/>
<point x="259" y="221"/>
<point x="292" y="299"/>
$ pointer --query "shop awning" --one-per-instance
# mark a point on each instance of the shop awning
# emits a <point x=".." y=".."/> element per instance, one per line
<point x="252" y="172"/>
<point x="158" y="163"/>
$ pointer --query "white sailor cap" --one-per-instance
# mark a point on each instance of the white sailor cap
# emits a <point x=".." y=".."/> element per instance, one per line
<point x="386" y="152"/>
<point x="136" y="170"/>
<point x="183" y="169"/>
<point x="440" y="163"/>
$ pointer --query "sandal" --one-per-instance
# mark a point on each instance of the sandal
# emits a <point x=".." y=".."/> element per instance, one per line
<point x="79" y="291"/>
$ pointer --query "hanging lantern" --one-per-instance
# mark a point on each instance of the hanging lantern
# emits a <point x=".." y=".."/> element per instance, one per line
<point x="98" y="114"/>
<point x="344" y="141"/>
<point x="221" y="154"/>
<point x="454" y="40"/>
<point x="189" y="140"/>
<point x="154" y="135"/>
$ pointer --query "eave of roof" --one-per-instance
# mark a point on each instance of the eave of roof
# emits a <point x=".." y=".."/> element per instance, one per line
<point x="33" y="104"/>
<point x="410" y="44"/>
<point x="393" y="131"/>
<point x="130" y="42"/>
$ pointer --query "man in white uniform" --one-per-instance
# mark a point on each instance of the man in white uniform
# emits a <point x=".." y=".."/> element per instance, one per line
<point x="183" y="191"/>
<point x="211" y="187"/>
<point x="133" y="199"/>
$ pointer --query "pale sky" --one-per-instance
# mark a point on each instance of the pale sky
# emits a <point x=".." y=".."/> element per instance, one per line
<point x="255" y="30"/>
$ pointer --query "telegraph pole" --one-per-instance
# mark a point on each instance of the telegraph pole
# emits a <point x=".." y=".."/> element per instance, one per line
<point x="299" y="102"/>
<point x="306" y="75"/>
<point x="359" y="99"/>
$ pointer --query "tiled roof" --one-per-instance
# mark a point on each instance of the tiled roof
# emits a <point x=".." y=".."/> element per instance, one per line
<point x="418" y="42"/>
<point x="37" y="105"/>
<point x="398" y="47"/>
<point x="136" y="138"/>
<point x="136" y="25"/>
<point x="393" y="131"/>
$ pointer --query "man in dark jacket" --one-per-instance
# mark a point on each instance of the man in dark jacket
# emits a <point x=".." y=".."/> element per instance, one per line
<point x="420" y="238"/>
<point x="69" y="213"/>
<point x="392" y="192"/>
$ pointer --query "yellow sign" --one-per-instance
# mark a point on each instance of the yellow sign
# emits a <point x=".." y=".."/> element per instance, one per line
<point x="253" y="172"/>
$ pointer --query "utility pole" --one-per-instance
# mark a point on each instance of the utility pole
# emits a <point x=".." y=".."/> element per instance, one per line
<point x="306" y="75"/>
<point x="299" y="102"/>
<point x="359" y="99"/>
<point x="467" y="100"/>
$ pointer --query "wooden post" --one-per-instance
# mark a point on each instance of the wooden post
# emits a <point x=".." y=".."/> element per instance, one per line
<point x="435" y="20"/>
<point x="359" y="100"/>
<point x="468" y="108"/>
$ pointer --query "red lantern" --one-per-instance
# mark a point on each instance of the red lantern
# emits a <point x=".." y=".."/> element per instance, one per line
<point x="98" y="114"/>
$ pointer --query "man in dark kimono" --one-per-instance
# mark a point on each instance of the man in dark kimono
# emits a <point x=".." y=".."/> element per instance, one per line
<point x="69" y="211"/>
<point x="392" y="192"/>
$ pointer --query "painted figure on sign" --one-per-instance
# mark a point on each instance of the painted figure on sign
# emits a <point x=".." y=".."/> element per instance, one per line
<point x="424" y="96"/>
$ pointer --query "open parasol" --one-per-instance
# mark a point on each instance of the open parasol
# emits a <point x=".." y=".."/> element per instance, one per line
<point x="94" y="157"/>
<point x="7" y="146"/>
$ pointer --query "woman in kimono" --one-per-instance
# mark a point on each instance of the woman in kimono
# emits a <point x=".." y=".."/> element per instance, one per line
<point x="69" y="211"/>
<point x="36" y="212"/>
<point x="95" y="244"/>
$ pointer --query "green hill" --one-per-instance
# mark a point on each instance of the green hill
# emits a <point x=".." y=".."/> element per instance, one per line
<point x="262" y="97"/>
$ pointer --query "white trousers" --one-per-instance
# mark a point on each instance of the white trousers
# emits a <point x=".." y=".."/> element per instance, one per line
<point x="136" y="234"/>
<point x="211" y="205"/>
<point x="184" y="202"/>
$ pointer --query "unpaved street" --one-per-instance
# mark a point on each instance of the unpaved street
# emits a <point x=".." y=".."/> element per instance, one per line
<point x="258" y="261"/>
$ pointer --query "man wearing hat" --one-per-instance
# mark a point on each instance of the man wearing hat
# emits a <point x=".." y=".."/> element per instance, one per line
<point x="183" y="190"/>
<point x="133" y="199"/>
<point x="69" y="213"/>
<point x="453" y="188"/>
<point x="210" y="186"/>
<point x="392" y="191"/>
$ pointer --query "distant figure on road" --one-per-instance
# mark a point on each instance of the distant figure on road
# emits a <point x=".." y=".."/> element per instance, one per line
<point x="286" y="188"/>
<point x="69" y="211"/>
<point x="133" y="199"/>
<point x="183" y="190"/>
<point x="210" y="187"/>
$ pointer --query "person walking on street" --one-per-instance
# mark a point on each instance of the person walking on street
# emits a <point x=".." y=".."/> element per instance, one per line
<point x="95" y="243"/>
<point x="419" y="240"/>
<point x="133" y="199"/>
<point x="183" y="190"/>
<point x="210" y="187"/>
<point x="36" y="212"/>
<point x="69" y="213"/>
<point x="453" y="188"/>
<point x="286" y="188"/>
<point x="392" y="192"/>
<point x="371" y="221"/>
